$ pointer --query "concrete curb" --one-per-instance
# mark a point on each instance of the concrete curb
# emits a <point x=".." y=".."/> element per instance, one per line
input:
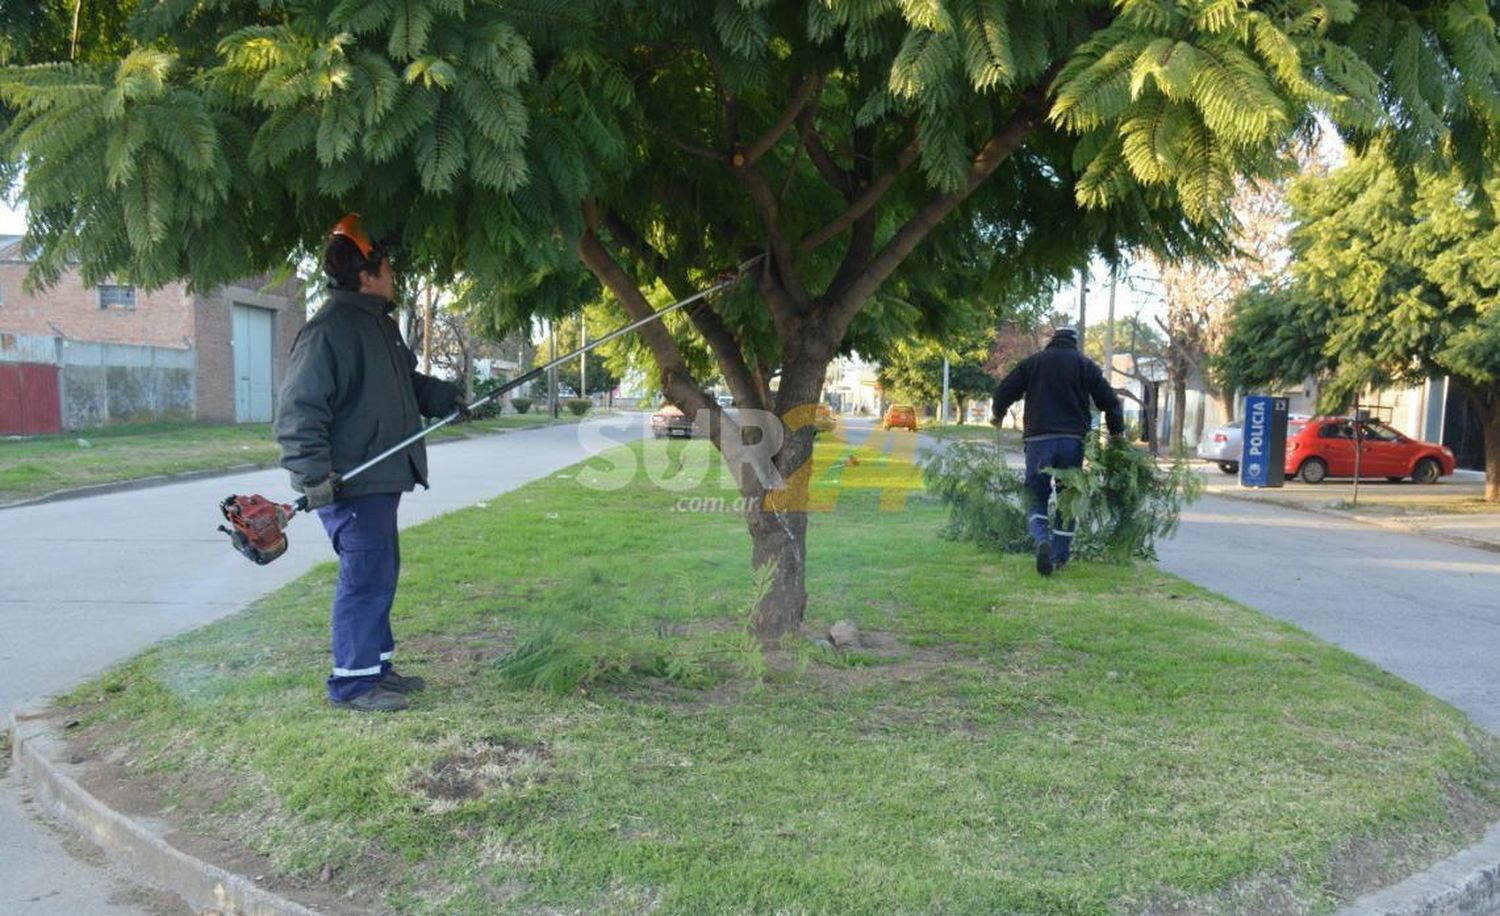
<point x="138" y="483"/>
<point x="131" y="843"/>
<point x="1464" y="884"/>
<point x="1459" y="539"/>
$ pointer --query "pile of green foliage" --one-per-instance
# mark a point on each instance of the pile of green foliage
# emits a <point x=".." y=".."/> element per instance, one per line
<point x="522" y="405"/>
<point x="1121" y="499"/>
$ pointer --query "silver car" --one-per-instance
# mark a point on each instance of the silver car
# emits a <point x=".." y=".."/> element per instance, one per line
<point x="1223" y="446"/>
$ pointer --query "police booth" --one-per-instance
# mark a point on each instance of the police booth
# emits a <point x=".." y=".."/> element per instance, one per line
<point x="1263" y="453"/>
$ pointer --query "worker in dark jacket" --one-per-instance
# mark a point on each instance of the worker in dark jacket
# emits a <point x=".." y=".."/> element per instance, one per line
<point x="1058" y="383"/>
<point x="352" y="391"/>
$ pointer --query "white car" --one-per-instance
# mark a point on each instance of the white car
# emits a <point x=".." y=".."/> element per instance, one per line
<point x="1224" y="445"/>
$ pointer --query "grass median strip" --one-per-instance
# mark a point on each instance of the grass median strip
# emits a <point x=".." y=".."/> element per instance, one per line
<point x="37" y="465"/>
<point x="1107" y="740"/>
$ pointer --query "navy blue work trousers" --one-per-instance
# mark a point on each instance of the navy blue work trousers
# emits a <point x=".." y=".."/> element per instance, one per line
<point x="1044" y="525"/>
<point x="363" y="532"/>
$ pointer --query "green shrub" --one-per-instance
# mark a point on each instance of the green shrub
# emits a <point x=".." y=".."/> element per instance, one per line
<point x="522" y="405"/>
<point x="1121" y="499"/>
<point x="578" y="406"/>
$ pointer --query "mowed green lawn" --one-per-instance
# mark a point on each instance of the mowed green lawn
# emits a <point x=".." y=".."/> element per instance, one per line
<point x="38" y="465"/>
<point x="1109" y="740"/>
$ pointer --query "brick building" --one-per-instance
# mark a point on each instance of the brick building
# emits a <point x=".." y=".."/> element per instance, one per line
<point x="76" y="356"/>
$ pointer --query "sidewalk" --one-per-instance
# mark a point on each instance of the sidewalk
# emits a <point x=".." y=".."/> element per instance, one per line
<point x="1451" y="510"/>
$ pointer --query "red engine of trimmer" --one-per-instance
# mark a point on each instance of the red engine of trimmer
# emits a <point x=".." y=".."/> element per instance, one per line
<point x="257" y="526"/>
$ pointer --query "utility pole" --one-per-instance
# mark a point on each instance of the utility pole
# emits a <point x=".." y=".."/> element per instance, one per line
<point x="583" y="358"/>
<point x="943" y="411"/>
<point x="1109" y="327"/>
<point x="427" y="332"/>
<point x="552" y="373"/>
<point x="1083" y="305"/>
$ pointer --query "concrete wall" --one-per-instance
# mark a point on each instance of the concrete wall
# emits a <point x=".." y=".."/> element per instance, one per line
<point x="171" y="357"/>
<point x="119" y="383"/>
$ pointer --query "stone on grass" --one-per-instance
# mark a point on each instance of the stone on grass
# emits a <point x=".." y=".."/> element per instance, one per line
<point x="844" y="633"/>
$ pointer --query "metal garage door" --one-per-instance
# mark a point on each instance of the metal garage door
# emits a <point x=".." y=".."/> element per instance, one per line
<point x="254" y="383"/>
<point x="28" y="399"/>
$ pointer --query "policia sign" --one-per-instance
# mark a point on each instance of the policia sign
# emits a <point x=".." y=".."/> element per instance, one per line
<point x="1263" y="455"/>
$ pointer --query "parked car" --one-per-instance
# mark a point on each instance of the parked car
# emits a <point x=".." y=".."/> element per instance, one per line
<point x="1224" y="445"/>
<point x="825" y="419"/>
<point x="1324" y="447"/>
<point x="671" y="421"/>
<point x="904" y="415"/>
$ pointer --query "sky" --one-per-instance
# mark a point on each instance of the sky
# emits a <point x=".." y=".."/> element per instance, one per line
<point x="12" y="222"/>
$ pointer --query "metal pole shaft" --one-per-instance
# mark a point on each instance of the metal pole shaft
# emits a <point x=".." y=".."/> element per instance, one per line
<point x="522" y="379"/>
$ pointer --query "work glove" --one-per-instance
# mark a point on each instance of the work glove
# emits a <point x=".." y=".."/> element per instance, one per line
<point x="462" y="410"/>
<point x="318" y="494"/>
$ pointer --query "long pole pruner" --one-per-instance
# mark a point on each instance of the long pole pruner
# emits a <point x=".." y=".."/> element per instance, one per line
<point x="257" y="525"/>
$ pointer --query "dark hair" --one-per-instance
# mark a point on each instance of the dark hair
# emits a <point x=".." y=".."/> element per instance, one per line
<point x="342" y="262"/>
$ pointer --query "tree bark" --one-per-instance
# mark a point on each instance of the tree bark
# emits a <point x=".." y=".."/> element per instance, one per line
<point x="1486" y="403"/>
<point x="778" y="518"/>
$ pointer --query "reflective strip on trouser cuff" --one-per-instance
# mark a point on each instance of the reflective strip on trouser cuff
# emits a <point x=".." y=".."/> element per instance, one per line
<point x="1042" y="518"/>
<point x="1063" y="534"/>
<point x="386" y="656"/>
<point x="356" y="672"/>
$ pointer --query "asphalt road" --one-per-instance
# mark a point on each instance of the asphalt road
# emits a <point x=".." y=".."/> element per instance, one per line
<point x="1422" y="609"/>
<point x="86" y="583"/>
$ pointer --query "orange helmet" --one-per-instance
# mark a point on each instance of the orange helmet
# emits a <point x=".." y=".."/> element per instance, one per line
<point x="349" y="227"/>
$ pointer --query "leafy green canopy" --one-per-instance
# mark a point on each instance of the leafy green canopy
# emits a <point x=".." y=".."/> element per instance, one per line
<point x="836" y="134"/>
<point x="1393" y="281"/>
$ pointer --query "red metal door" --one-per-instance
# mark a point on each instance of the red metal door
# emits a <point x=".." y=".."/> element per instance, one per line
<point x="29" y="403"/>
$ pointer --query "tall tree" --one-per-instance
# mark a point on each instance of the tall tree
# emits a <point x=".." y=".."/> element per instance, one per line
<point x="870" y="150"/>
<point x="1393" y="280"/>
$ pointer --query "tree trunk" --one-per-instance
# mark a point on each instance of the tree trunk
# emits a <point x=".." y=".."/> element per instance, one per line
<point x="779" y="538"/>
<point x="1487" y="405"/>
<point x="1179" y="410"/>
<point x="778" y="518"/>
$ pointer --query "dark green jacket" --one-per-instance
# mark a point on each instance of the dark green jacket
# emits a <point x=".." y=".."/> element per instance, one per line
<point x="351" y="391"/>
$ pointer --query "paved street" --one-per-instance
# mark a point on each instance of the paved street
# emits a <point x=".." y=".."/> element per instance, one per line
<point x="1422" y="609"/>
<point x="91" y="582"/>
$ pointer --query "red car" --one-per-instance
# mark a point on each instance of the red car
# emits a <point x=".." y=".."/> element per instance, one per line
<point x="1324" y="447"/>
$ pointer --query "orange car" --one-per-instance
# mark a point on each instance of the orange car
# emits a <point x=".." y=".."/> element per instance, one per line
<point x="900" y="415"/>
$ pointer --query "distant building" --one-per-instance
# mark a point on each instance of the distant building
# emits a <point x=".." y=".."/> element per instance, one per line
<point x="852" y="385"/>
<point x="76" y="356"/>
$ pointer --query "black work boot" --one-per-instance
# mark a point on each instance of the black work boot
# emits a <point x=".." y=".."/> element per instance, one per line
<point x="1044" y="558"/>
<point x="377" y="699"/>
<point x="402" y="684"/>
